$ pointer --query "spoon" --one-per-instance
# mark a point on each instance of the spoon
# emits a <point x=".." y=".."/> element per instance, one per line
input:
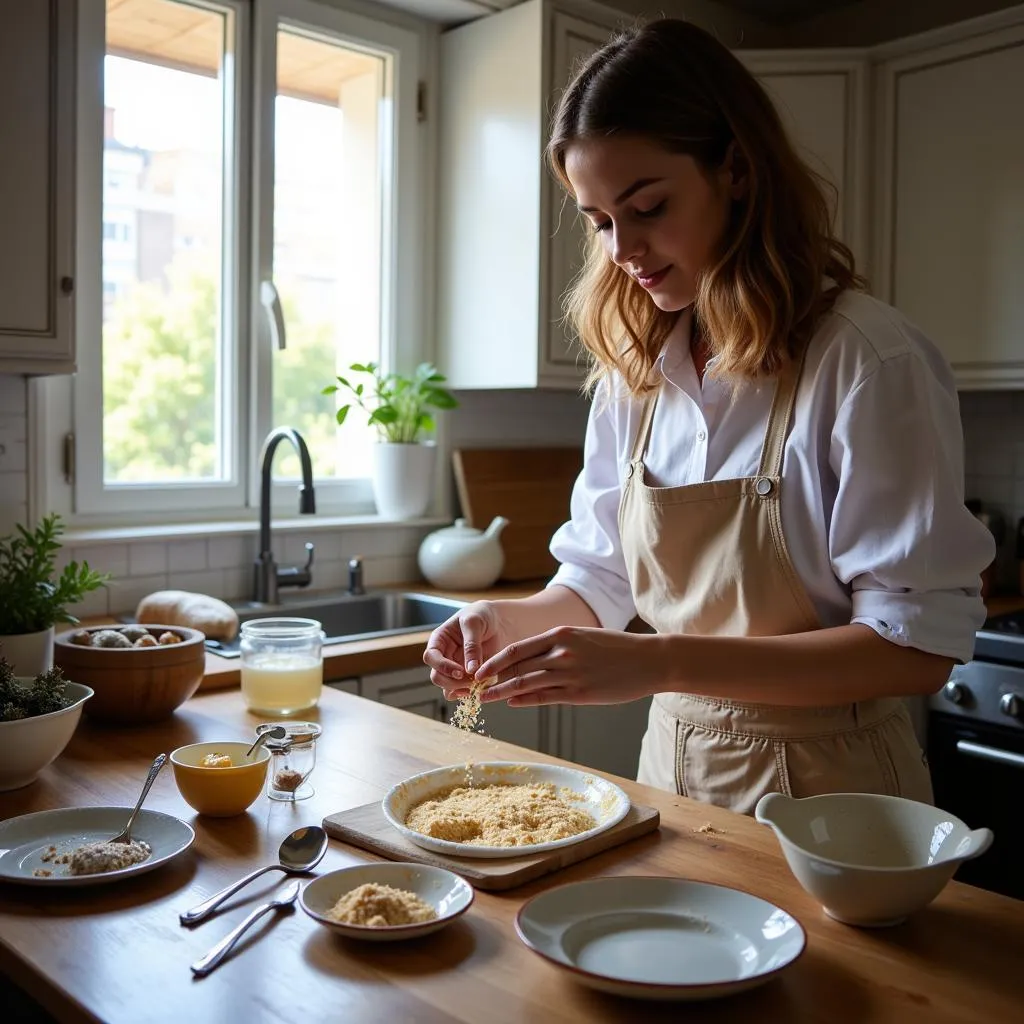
<point x="125" y="835"/>
<point x="207" y="963"/>
<point x="300" y="851"/>
<point x="277" y="733"/>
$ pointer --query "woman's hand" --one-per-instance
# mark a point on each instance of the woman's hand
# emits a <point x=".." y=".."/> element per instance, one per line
<point x="576" y="665"/>
<point x="457" y="647"/>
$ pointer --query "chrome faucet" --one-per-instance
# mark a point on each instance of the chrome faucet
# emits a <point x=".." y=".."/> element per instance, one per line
<point x="267" y="577"/>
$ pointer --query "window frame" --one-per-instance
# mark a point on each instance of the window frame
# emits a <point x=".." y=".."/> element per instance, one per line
<point x="66" y="413"/>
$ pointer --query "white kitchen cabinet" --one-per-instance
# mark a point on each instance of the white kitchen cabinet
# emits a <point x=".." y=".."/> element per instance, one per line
<point x="508" y="245"/>
<point x="604" y="737"/>
<point x="37" y="187"/>
<point x="822" y="98"/>
<point x="412" y="690"/>
<point x="951" y="173"/>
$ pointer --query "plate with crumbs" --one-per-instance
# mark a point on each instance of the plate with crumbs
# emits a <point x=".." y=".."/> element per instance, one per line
<point x="31" y="845"/>
<point x="446" y="894"/>
<point x="594" y="804"/>
<point x="660" y="938"/>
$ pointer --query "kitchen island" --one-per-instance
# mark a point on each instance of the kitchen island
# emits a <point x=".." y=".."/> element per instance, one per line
<point x="116" y="953"/>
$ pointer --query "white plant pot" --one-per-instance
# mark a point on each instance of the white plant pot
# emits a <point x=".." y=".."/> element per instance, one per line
<point x="403" y="476"/>
<point x="29" y="653"/>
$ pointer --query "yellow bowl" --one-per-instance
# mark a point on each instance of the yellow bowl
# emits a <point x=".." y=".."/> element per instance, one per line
<point x="220" y="792"/>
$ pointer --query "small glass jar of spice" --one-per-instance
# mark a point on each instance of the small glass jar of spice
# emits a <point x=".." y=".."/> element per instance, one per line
<point x="292" y="759"/>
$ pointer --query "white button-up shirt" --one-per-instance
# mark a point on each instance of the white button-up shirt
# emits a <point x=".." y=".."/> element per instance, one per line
<point x="872" y="480"/>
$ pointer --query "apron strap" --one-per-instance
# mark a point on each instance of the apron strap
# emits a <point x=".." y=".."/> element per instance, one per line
<point x="643" y="431"/>
<point x="781" y="413"/>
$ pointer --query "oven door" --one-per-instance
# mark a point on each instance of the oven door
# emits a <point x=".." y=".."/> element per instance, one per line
<point x="978" y="774"/>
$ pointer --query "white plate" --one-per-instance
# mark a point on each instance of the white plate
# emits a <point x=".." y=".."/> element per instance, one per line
<point x="660" y="938"/>
<point x="447" y="893"/>
<point x="587" y="791"/>
<point x="25" y="839"/>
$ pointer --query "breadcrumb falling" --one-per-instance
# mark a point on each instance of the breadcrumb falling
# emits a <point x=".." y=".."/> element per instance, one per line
<point x="373" y="905"/>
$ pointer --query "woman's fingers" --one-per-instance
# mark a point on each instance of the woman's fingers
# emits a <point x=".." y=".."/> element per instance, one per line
<point x="441" y="665"/>
<point x="523" y="683"/>
<point x="511" y="656"/>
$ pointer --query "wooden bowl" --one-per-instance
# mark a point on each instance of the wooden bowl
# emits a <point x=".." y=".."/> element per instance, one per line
<point x="134" y="685"/>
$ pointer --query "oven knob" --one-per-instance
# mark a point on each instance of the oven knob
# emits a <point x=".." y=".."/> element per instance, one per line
<point x="1013" y="705"/>
<point x="955" y="693"/>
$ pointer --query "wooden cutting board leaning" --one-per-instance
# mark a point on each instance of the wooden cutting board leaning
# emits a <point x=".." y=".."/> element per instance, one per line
<point x="530" y="487"/>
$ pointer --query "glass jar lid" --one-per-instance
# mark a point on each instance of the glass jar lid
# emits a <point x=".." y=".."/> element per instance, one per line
<point x="281" y="629"/>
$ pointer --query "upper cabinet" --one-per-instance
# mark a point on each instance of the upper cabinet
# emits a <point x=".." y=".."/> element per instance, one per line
<point x="508" y="243"/>
<point x="822" y="98"/>
<point x="951" y="210"/>
<point x="37" y="187"/>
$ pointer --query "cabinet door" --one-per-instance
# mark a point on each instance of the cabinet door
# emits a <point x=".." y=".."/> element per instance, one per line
<point x="37" y="183"/>
<point x="604" y="737"/>
<point x="408" y="689"/>
<point x="522" y="726"/>
<point x="822" y="101"/>
<point x="953" y="201"/>
<point x="351" y="685"/>
<point x="572" y="41"/>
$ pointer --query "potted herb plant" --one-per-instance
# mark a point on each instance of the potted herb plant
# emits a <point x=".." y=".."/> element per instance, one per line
<point x="34" y="596"/>
<point x="400" y="409"/>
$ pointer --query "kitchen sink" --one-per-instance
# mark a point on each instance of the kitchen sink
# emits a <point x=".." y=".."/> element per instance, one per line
<point x="347" y="616"/>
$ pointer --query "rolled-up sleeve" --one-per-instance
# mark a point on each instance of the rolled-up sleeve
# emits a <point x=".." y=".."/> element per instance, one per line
<point x="900" y="535"/>
<point x="588" y="545"/>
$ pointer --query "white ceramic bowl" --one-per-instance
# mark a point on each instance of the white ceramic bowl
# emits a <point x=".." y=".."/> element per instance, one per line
<point x="28" y="745"/>
<point x="446" y="892"/>
<point x="587" y="791"/>
<point x="870" y="860"/>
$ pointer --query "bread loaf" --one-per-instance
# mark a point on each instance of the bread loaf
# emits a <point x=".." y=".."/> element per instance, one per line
<point x="197" y="611"/>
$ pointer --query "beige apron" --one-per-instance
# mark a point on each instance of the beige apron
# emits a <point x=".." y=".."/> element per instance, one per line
<point x="710" y="559"/>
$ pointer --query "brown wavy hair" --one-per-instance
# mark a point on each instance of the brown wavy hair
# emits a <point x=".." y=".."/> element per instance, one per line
<point x="671" y="82"/>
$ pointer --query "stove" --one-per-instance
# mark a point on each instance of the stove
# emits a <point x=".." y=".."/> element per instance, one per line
<point x="976" y="749"/>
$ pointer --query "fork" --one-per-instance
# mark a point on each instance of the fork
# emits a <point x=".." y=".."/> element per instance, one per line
<point x="125" y="835"/>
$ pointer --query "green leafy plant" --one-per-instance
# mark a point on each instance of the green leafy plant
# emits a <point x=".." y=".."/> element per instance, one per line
<point x="32" y="595"/>
<point x="397" y="406"/>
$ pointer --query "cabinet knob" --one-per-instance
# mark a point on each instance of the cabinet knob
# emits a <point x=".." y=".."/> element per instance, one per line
<point x="1013" y="705"/>
<point x="67" y="284"/>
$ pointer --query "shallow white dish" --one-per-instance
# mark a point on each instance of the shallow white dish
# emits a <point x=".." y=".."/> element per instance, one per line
<point x="587" y="791"/>
<point x="446" y="892"/>
<point x="660" y="938"/>
<point x="25" y="839"/>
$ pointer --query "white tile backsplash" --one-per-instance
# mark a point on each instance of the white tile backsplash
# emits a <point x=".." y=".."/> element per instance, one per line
<point x="125" y="594"/>
<point x="112" y="558"/>
<point x="205" y="581"/>
<point x="230" y="552"/>
<point x="147" y="559"/>
<point x="184" y="556"/>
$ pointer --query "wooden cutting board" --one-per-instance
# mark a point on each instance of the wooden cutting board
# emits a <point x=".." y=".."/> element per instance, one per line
<point x="367" y="828"/>
<point x="530" y="487"/>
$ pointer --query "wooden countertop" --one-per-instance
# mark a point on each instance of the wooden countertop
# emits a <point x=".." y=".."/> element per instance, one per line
<point x="117" y="953"/>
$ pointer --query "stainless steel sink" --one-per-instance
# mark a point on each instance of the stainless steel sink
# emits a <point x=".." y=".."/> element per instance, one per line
<point x="347" y="616"/>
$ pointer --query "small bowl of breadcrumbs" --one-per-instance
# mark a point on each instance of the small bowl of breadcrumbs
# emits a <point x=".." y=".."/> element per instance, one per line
<point x="387" y="901"/>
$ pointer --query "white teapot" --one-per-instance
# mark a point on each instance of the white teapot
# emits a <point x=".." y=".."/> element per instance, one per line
<point x="460" y="557"/>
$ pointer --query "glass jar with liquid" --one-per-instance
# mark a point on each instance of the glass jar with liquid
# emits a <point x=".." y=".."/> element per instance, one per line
<point x="282" y="665"/>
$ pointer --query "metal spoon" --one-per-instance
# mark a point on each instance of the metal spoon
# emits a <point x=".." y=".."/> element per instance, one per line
<point x="300" y="851"/>
<point x="207" y="963"/>
<point x="125" y="835"/>
<point x="277" y="733"/>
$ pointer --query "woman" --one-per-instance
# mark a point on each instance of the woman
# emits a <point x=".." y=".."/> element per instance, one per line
<point x="773" y="470"/>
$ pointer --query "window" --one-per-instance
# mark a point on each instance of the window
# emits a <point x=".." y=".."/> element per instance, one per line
<point x="257" y="170"/>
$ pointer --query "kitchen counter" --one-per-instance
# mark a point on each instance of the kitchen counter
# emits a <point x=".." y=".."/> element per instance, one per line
<point x="117" y="953"/>
<point x="363" y="657"/>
